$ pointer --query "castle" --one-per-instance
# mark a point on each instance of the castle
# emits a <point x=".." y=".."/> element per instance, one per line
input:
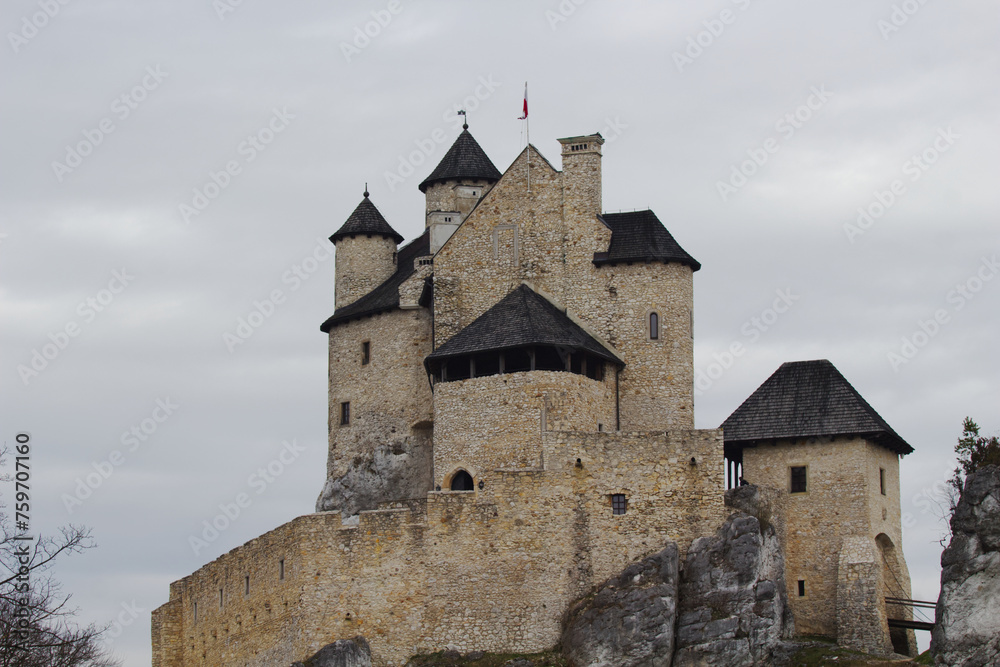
<point x="511" y="423"/>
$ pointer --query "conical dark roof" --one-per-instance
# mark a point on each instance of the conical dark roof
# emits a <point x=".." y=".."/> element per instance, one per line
<point x="805" y="399"/>
<point x="465" y="159"/>
<point x="521" y="318"/>
<point x="367" y="220"/>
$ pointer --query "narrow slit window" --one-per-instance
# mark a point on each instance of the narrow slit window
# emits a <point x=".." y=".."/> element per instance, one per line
<point x="281" y="570"/>
<point x="366" y="353"/>
<point x="798" y="479"/>
<point x="345" y="413"/>
<point x="619" y="503"/>
<point x="881" y="480"/>
<point x="802" y="588"/>
<point x="220" y="598"/>
<point x="195" y="612"/>
<point x="246" y="580"/>
<point x="654" y="326"/>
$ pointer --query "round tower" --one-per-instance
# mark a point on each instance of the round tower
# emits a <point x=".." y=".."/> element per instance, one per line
<point x="366" y="253"/>
<point x="462" y="178"/>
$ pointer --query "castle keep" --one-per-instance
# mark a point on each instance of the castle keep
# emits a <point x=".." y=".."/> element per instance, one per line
<point x="511" y="423"/>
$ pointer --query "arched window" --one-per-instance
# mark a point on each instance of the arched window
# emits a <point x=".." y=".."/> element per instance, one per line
<point x="654" y="326"/>
<point x="462" y="481"/>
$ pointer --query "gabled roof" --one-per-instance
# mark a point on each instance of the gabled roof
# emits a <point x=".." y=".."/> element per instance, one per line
<point x="521" y="318"/>
<point x="805" y="399"/>
<point x="366" y="220"/>
<point x="465" y="159"/>
<point x="385" y="296"/>
<point x="639" y="236"/>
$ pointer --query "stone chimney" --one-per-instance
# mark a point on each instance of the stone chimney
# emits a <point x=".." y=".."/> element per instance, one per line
<point x="581" y="175"/>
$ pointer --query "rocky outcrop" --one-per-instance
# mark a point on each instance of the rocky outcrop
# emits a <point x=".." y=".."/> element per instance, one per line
<point x="341" y="653"/>
<point x="629" y="621"/>
<point x="397" y="470"/>
<point x="733" y="609"/>
<point x="967" y="633"/>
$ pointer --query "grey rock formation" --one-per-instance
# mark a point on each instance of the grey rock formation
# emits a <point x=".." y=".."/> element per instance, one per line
<point x="396" y="470"/>
<point x="967" y="633"/>
<point x="341" y="653"/>
<point x="733" y="609"/>
<point x="629" y="621"/>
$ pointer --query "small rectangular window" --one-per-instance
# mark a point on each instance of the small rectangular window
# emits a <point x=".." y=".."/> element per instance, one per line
<point x="195" y="612"/>
<point x="366" y="353"/>
<point x="220" y="598"/>
<point x="619" y="504"/>
<point x="246" y="591"/>
<point x="345" y="413"/>
<point x="798" y="479"/>
<point x="654" y="326"/>
<point x="881" y="480"/>
<point x="802" y="588"/>
<point x="281" y="569"/>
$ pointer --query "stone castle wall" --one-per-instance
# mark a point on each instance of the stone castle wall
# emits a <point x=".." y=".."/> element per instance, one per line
<point x="548" y="238"/>
<point x="843" y="501"/>
<point x="497" y="421"/>
<point x="363" y="263"/>
<point x="491" y="569"/>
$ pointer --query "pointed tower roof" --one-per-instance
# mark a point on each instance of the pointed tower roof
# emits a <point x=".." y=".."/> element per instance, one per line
<point x="366" y="220"/>
<point x="465" y="159"/>
<point x="523" y="317"/>
<point x="805" y="399"/>
<point x="639" y="236"/>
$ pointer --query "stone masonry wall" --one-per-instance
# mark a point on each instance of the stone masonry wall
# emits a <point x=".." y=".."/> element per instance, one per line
<point x="843" y="500"/>
<point x="491" y="569"/>
<point x="363" y="263"/>
<point x="543" y="237"/>
<point x="390" y="397"/>
<point x="496" y="422"/>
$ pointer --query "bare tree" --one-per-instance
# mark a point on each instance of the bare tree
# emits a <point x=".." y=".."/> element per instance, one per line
<point x="36" y="619"/>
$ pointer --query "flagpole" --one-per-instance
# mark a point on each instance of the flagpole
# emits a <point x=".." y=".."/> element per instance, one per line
<point x="527" y="131"/>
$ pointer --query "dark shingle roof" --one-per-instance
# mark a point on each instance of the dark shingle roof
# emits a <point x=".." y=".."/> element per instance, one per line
<point x="367" y="220"/>
<point x="639" y="236"/>
<point x="465" y="159"/>
<point x="385" y="296"/>
<point x="521" y="318"/>
<point x="805" y="399"/>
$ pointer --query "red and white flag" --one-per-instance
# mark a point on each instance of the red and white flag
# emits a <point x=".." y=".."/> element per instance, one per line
<point x="525" y="114"/>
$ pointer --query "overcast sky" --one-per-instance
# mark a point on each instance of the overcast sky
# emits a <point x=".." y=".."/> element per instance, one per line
<point x="174" y="162"/>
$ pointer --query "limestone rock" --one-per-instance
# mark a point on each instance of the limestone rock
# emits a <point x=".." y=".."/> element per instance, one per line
<point x="396" y="470"/>
<point x="341" y="653"/>
<point x="967" y="633"/>
<point x="629" y="621"/>
<point x="733" y="609"/>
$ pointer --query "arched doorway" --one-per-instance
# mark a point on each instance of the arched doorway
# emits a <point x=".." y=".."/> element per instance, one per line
<point x="461" y="481"/>
<point x="895" y="585"/>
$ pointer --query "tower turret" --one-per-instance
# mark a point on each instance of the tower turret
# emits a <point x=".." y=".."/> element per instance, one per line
<point x="366" y="253"/>
<point x="463" y="177"/>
